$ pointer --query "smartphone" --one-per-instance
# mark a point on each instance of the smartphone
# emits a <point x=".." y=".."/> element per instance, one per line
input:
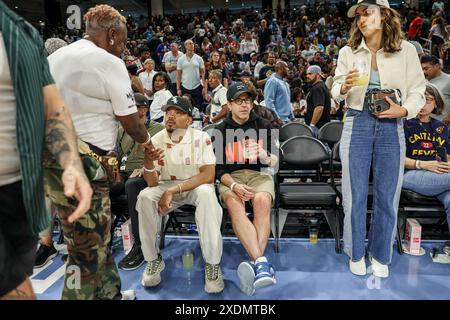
<point x="441" y="154"/>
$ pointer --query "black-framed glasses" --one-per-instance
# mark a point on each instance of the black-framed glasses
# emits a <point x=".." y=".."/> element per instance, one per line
<point x="239" y="101"/>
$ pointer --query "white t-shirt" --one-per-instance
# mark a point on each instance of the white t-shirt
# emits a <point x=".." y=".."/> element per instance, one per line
<point x="96" y="88"/>
<point x="147" y="80"/>
<point x="190" y="67"/>
<point x="160" y="99"/>
<point x="308" y="54"/>
<point x="169" y="58"/>
<point x="437" y="31"/>
<point x="258" y="68"/>
<point x="219" y="98"/>
<point x="183" y="160"/>
<point x="9" y="154"/>
<point x="248" y="46"/>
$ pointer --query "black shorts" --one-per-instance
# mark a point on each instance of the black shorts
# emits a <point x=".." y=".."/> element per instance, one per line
<point x="437" y="40"/>
<point x="17" y="243"/>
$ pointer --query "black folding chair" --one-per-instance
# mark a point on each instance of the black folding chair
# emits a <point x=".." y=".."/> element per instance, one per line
<point x="294" y="129"/>
<point x="427" y="210"/>
<point x="311" y="200"/>
<point x="331" y="132"/>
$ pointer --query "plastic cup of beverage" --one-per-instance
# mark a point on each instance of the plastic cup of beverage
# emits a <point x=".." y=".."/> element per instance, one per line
<point x="361" y="66"/>
<point x="188" y="259"/>
<point x="313" y="235"/>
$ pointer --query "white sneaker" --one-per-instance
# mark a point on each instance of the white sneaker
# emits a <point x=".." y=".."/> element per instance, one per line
<point x="246" y="274"/>
<point x="213" y="278"/>
<point x="359" y="267"/>
<point x="152" y="273"/>
<point x="128" y="295"/>
<point x="378" y="269"/>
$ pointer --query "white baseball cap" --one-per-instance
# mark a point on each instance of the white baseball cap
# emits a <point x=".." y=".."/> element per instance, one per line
<point x="380" y="3"/>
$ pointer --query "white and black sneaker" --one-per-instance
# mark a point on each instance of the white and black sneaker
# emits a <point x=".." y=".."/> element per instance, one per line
<point x="44" y="255"/>
<point x="133" y="260"/>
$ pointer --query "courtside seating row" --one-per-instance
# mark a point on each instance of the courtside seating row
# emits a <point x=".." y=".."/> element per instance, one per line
<point x="307" y="184"/>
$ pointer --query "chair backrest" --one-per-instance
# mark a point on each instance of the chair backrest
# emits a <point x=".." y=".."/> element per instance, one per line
<point x="210" y="129"/>
<point x="294" y="129"/>
<point x="304" y="151"/>
<point x="335" y="153"/>
<point x="331" y="132"/>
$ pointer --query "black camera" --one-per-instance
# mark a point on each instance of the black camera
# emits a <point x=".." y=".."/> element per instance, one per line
<point x="377" y="99"/>
<point x="379" y="106"/>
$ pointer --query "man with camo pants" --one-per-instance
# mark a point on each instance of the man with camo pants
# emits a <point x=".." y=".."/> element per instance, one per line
<point x="95" y="85"/>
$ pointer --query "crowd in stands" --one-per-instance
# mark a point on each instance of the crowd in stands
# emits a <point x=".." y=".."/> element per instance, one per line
<point x="247" y="45"/>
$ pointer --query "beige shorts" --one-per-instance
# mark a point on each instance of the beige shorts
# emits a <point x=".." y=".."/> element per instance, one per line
<point x="259" y="182"/>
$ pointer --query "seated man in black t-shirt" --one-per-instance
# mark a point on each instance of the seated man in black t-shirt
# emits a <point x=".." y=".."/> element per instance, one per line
<point x="318" y="100"/>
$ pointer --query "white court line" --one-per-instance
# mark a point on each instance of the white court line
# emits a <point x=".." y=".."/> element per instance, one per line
<point x="40" y="286"/>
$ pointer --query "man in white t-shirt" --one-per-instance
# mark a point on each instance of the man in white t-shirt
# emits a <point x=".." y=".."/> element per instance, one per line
<point x="248" y="45"/>
<point x="146" y="78"/>
<point x="169" y="62"/>
<point x="95" y="85"/>
<point x="219" y="101"/>
<point x="180" y="171"/>
<point x="191" y="75"/>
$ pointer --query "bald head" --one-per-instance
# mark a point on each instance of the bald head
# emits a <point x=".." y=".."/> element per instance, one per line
<point x="281" y="68"/>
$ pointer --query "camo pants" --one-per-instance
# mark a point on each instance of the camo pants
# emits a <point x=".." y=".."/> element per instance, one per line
<point x="91" y="272"/>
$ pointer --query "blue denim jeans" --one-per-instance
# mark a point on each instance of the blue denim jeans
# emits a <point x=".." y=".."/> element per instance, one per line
<point x="368" y="141"/>
<point x="430" y="184"/>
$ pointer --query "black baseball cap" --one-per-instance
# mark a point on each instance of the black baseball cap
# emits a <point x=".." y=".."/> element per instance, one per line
<point x="236" y="89"/>
<point x="180" y="103"/>
<point x="141" y="100"/>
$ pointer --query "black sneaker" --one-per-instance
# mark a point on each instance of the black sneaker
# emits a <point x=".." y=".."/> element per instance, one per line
<point x="133" y="260"/>
<point x="44" y="255"/>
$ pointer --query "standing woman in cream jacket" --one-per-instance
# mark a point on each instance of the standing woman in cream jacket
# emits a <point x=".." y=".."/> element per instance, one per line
<point x="374" y="139"/>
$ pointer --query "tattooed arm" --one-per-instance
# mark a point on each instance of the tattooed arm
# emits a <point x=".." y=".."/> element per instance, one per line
<point x="61" y="141"/>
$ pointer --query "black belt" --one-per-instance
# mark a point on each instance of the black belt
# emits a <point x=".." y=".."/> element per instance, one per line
<point x="97" y="150"/>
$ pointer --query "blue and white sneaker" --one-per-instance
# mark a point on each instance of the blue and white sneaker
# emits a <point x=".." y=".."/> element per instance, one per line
<point x="246" y="274"/>
<point x="265" y="273"/>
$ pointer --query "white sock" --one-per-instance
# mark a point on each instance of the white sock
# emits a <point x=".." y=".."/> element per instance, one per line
<point x="261" y="259"/>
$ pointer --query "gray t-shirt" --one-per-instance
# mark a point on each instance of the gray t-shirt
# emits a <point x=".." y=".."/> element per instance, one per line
<point x="169" y="58"/>
<point x="443" y="84"/>
<point x="190" y="67"/>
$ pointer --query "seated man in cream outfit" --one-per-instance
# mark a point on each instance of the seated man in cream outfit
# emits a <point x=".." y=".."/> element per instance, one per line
<point x="180" y="170"/>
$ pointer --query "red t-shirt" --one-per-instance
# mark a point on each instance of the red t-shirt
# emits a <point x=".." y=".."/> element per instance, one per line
<point x="415" y="27"/>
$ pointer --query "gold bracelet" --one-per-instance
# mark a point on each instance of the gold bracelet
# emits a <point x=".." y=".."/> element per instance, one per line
<point x="179" y="188"/>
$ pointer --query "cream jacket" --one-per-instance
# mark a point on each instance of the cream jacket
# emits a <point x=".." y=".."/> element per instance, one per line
<point x="400" y="70"/>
